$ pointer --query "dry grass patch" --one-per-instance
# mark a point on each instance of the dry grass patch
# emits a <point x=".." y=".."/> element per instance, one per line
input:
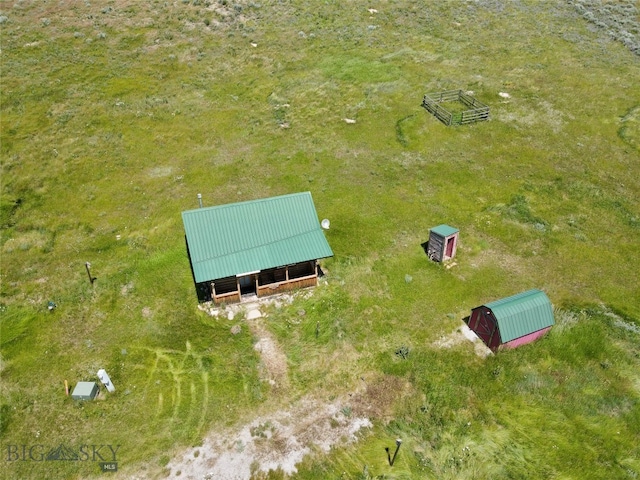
<point x="376" y="401"/>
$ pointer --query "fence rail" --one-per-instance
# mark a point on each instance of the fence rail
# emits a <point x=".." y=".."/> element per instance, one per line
<point x="230" y="297"/>
<point x="478" y="111"/>
<point x="268" y="289"/>
<point x="295" y="283"/>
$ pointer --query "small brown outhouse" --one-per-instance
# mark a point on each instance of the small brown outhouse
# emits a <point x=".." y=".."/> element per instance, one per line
<point x="443" y="243"/>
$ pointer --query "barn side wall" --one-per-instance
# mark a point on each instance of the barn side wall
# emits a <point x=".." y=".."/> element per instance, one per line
<point x="516" y="342"/>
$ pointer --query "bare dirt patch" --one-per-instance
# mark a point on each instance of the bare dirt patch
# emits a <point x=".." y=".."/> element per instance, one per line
<point x="275" y="441"/>
<point x="279" y="440"/>
<point x="461" y="335"/>
<point x="274" y="361"/>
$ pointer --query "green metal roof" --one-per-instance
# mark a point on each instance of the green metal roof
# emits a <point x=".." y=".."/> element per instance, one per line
<point x="444" y="230"/>
<point x="244" y="237"/>
<point x="522" y="314"/>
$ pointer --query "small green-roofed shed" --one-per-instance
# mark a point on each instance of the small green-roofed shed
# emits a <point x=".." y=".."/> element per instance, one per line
<point x="246" y="238"/>
<point x="443" y="243"/>
<point x="521" y="314"/>
<point x="444" y="230"/>
<point x="514" y="320"/>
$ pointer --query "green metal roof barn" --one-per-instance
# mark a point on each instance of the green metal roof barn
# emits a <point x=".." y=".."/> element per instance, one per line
<point x="238" y="240"/>
<point x="513" y="321"/>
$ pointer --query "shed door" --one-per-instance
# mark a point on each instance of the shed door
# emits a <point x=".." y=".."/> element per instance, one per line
<point x="450" y="244"/>
<point x="485" y="326"/>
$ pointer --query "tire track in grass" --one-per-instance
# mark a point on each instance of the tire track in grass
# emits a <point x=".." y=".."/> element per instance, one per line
<point x="164" y="355"/>
<point x="176" y="397"/>
<point x="152" y="372"/>
<point x="205" y="400"/>
<point x="180" y="366"/>
<point x="160" y="404"/>
<point x="193" y="403"/>
<point x="176" y="373"/>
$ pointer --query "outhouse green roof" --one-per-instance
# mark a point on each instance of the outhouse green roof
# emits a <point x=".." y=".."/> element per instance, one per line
<point x="444" y="230"/>
<point x="522" y="314"/>
<point x="237" y="238"/>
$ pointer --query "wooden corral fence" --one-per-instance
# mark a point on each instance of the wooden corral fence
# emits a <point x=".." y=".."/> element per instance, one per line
<point x="477" y="112"/>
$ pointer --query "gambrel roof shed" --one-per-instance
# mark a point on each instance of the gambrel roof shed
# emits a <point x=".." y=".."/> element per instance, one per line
<point x="514" y="320"/>
<point x="233" y="239"/>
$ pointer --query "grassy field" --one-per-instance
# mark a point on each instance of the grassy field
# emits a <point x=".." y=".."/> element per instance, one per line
<point x="115" y="114"/>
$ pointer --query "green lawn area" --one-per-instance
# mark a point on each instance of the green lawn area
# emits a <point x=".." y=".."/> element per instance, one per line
<point x="115" y="115"/>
